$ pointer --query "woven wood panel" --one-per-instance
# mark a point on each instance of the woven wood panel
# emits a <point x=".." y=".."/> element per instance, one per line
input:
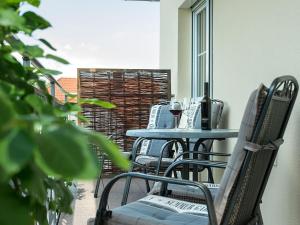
<point x="133" y="91"/>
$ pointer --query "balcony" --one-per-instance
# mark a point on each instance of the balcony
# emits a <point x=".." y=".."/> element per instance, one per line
<point x="232" y="46"/>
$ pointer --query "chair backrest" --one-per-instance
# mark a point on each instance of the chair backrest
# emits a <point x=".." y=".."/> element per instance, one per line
<point x="160" y="117"/>
<point x="249" y="167"/>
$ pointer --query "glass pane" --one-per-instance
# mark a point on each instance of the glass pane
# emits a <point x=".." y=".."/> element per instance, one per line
<point x="201" y="50"/>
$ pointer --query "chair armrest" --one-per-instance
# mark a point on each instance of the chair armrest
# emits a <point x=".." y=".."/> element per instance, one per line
<point x="164" y="147"/>
<point x="204" y="163"/>
<point x="201" y="153"/>
<point x="136" y="144"/>
<point x="103" y="213"/>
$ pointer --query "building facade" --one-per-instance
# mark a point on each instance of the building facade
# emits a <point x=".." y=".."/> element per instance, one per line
<point x="236" y="45"/>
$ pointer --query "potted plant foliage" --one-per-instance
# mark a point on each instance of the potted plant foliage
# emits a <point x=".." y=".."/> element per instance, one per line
<point x="40" y="151"/>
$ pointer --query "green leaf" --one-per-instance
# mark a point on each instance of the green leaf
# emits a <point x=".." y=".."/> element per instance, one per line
<point x="10" y="18"/>
<point x="40" y="214"/>
<point x="13" y="210"/>
<point x="56" y="58"/>
<point x="45" y="42"/>
<point x="6" y="110"/>
<point x="62" y="196"/>
<point x="94" y="101"/>
<point x="71" y="107"/>
<point x="83" y="119"/>
<point x="44" y="71"/>
<point x="34" y="21"/>
<point x="35" y="102"/>
<point x="7" y="87"/>
<point x="70" y="147"/>
<point x="15" y="151"/>
<point x="32" y="179"/>
<point x="110" y="148"/>
<point x="33" y="51"/>
<point x="34" y="2"/>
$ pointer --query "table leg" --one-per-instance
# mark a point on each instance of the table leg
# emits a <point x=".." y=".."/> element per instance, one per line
<point x="185" y="172"/>
<point x="195" y="156"/>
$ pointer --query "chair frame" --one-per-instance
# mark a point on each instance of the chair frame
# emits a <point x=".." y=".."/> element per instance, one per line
<point x="293" y="86"/>
<point x="256" y="217"/>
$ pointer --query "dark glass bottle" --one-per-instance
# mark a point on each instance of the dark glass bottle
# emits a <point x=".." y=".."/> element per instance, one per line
<point x="206" y="109"/>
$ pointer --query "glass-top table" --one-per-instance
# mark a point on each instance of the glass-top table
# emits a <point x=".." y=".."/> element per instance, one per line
<point x="197" y="135"/>
<point x="183" y="133"/>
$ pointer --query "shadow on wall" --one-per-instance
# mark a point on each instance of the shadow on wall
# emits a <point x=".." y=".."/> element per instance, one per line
<point x="222" y="146"/>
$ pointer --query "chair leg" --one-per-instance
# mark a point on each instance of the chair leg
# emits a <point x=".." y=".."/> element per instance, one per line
<point x="260" y="219"/>
<point x="99" y="179"/>
<point x="126" y="191"/>
<point x="210" y="176"/>
<point x="147" y="182"/>
<point x="147" y="186"/>
<point x="97" y="187"/>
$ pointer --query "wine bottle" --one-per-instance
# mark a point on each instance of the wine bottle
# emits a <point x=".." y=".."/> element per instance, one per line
<point x="206" y="109"/>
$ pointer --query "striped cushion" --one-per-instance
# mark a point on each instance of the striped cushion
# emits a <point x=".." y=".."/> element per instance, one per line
<point x="160" y="117"/>
<point x="195" y="118"/>
<point x="189" y="192"/>
<point x="157" y="210"/>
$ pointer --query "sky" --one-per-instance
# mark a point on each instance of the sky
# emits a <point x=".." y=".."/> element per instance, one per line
<point x="102" y="34"/>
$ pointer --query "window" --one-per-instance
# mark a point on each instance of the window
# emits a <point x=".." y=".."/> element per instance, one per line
<point x="201" y="47"/>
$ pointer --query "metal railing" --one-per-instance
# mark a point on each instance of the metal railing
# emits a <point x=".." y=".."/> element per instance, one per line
<point x="36" y="64"/>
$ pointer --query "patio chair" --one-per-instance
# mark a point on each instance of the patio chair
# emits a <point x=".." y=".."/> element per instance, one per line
<point x="240" y="194"/>
<point x="157" y="162"/>
<point x="160" y="117"/>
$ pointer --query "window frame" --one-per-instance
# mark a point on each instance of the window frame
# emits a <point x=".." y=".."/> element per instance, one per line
<point x="197" y="84"/>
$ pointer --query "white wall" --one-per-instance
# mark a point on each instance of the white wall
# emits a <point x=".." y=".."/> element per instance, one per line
<point x="169" y="39"/>
<point x="174" y="35"/>
<point x="254" y="41"/>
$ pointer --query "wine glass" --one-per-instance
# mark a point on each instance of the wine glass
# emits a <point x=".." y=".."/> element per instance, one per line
<point x="176" y="110"/>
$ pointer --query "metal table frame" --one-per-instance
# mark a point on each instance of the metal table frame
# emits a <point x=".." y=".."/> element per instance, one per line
<point x="183" y="136"/>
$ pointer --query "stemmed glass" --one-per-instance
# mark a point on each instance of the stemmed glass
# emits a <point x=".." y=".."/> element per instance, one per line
<point x="176" y="110"/>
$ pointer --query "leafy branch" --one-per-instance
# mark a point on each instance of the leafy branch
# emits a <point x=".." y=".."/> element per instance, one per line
<point x="40" y="150"/>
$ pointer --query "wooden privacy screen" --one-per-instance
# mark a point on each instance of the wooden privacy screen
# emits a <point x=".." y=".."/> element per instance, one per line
<point x="133" y="91"/>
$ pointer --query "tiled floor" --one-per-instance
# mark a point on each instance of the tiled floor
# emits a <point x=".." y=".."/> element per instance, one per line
<point x="85" y="205"/>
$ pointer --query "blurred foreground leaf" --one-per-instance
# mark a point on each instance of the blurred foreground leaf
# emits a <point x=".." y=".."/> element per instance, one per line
<point x="94" y="101"/>
<point x="111" y="149"/>
<point x="72" y="157"/>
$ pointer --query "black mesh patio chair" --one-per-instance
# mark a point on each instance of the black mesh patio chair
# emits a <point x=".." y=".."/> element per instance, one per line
<point x="242" y="186"/>
<point x="160" y="117"/>
<point x="156" y="161"/>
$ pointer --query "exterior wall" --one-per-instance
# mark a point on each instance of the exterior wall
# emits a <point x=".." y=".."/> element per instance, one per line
<point x="171" y="31"/>
<point x="254" y="41"/>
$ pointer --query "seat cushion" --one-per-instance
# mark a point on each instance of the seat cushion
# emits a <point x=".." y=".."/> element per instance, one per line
<point x="186" y="192"/>
<point x="151" y="161"/>
<point x="157" y="210"/>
